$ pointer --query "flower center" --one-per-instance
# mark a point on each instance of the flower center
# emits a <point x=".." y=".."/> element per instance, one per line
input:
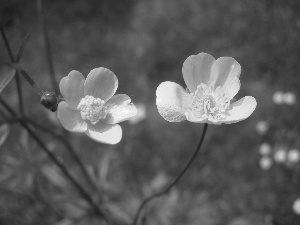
<point x="209" y="103"/>
<point x="92" y="109"/>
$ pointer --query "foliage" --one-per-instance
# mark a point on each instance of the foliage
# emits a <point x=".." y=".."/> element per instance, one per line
<point x="145" y="43"/>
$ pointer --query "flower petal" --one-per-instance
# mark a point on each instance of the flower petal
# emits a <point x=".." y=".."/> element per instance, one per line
<point x="101" y="83"/>
<point x="240" y="110"/>
<point x="192" y="118"/>
<point x="172" y="101"/>
<point x="70" y="119"/>
<point x="105" y="133"/>
<point x="71" y="88"/>
<point x="224" y="71"/>
<point x="196" y="70"/>
<point x="120" y="109"/>
<point x="233" y="88"/>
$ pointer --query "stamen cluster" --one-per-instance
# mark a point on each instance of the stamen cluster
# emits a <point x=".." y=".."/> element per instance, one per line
<point x="92" y="109"/>
<point x="209" y="103"/>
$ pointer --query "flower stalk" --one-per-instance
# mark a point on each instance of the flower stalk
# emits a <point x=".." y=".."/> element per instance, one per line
<point x="55" y="160"/>
<point x="169" y="187"/>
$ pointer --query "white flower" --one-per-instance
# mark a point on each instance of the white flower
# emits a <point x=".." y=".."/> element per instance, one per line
<point x="265" y="163"/>
<point x="289" y="98"/>
<point x="296" y="206"/>
<point x="262" y="127"/>
<point x="278" y="98"/>
<point x="90" y="106"/>
<point x="211" y="85"/>
<point x="265" y="149"/>
<point x="280" y="156"/>
<point x="293" y="156"/>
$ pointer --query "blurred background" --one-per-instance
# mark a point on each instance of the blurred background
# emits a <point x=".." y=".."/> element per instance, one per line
<point x="248" y="173"/>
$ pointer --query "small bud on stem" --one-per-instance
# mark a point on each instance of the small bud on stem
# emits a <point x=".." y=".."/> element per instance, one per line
<point x="49" y="100"/>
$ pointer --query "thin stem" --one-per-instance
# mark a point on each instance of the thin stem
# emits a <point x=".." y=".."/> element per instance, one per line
<point x="11" y="56"/>
<point x="56" y="161"/>
<point x="47" y="45"/>
<point x="69" y="149"/>
<point x="19" y="89"/>
<point x="12" y="59"/>
<point x="21" y="50"/>
<point x="169" y="187"/>
<point x="35" y="87"/>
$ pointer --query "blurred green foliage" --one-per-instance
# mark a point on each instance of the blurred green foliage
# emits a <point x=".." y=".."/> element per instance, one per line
<point x="145" y="43"/>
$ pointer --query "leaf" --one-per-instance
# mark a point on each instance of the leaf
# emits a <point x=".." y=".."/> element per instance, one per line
<point x="4" y="131"/>
<point x="6" y="75"/>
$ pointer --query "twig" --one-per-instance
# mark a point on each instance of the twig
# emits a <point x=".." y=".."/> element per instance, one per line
<point x="169" y="187"/>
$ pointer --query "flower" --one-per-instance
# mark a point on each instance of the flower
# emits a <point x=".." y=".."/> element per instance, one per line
<point x="211" y="85"/>
<point x="265" y="163"/>
<point x="293" y="156"/>
<point x="289" y="98"/>
<point x="278" y="98"/>
<point x="296" y="206"/>
<point x="90" y="106"/>
<point x="280" y="155"/>
<point x="265" y="149"/>
<point x="262" y="127"/>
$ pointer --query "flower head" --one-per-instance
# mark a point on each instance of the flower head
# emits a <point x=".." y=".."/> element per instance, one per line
<point x="265" y="162"/>
<point x="211" y="86"/>
<point x="90" y="105"/>
<point x="278" y="97"/>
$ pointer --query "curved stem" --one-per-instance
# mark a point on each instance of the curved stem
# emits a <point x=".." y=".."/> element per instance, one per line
<point x="168" y="188"/>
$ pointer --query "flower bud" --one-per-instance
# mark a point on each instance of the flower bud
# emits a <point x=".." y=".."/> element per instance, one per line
<point x="49" y="100"/>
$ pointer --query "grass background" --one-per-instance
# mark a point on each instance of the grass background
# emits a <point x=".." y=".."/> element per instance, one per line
<point x="145" y="43"/>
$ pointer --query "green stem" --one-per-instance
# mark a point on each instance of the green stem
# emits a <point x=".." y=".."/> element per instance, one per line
<point x="69" y="149"/>
<point x="56" y="161"/>
<point x="11" y="56"/>
<point x="19" y="89"/>
<point x="169" y="187"/>
<point x="47" y="45"/>
<point x="12" y="59"/>
<point x="35" y="87"/>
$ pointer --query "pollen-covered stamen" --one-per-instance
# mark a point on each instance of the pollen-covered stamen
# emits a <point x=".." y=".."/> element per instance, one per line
<point x="209" y="103"/>
<point x="92" y="109"/>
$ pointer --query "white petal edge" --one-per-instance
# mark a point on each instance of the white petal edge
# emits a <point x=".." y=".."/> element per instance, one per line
<point x="70" y="119"/>
<point x="120" y="109"/>
<point x="71" y="88"/>
<point x="196" y="70"/>
<point x="223" y="71"/>
<point x="172" y="101"/>
<point x="101" y="83"/>
<point x="105" y="133"/>
<point x="233" y="88"/>
<point x="240" y="110"/>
